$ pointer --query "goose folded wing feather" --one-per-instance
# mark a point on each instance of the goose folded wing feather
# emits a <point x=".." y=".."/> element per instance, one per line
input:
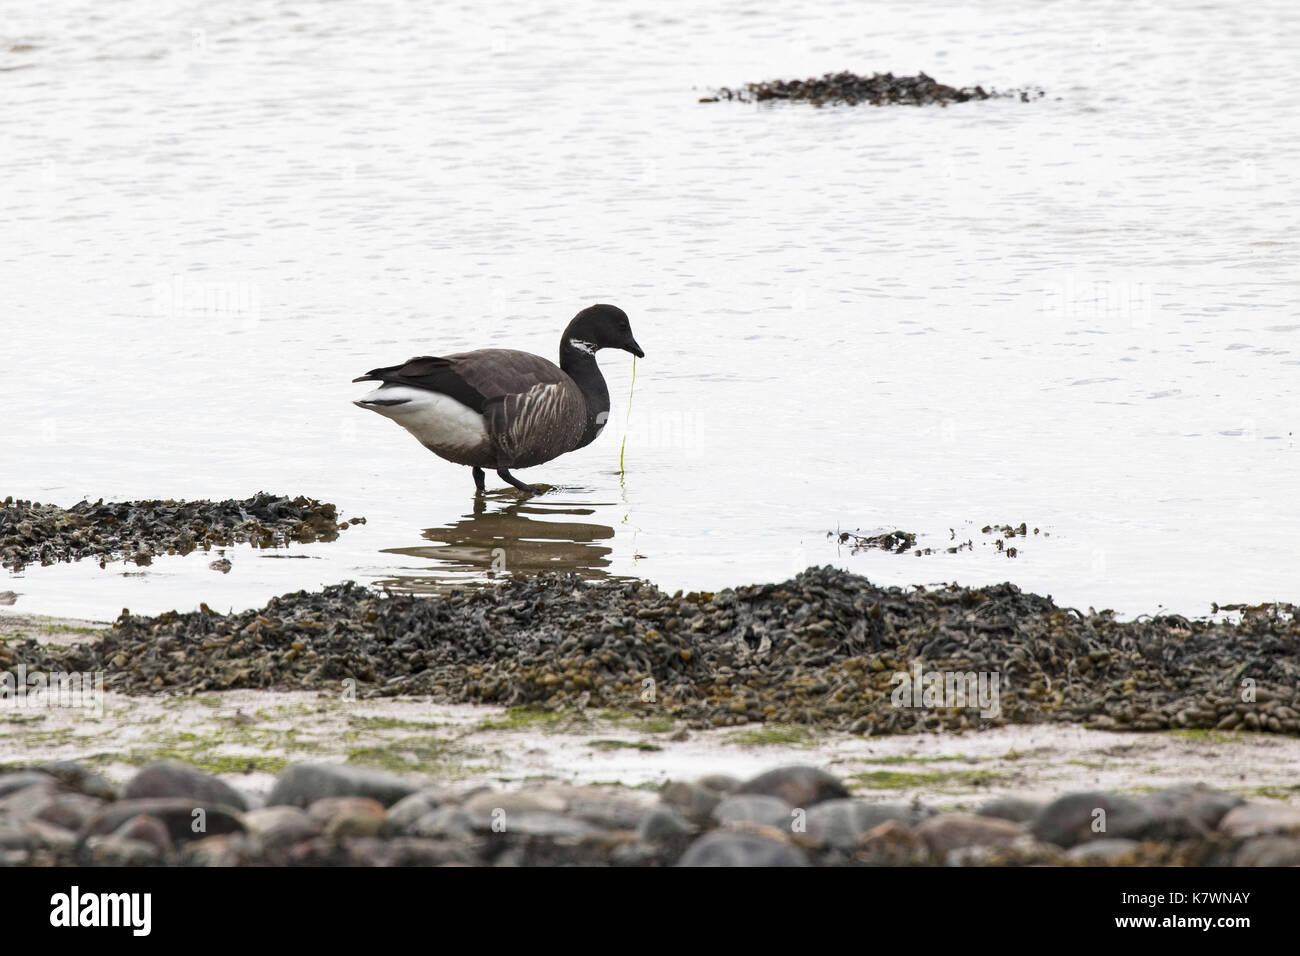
<point x="536" y="425"/>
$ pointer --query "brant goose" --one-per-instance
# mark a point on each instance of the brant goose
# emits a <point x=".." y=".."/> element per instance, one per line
<point x="503" y="409"/>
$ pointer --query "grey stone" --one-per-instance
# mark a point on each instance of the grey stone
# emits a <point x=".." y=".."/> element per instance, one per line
<point x="169" y="779"/>
<point x="1069" y="820"/>
<point x="797" y="786"/>
<point x="693" y="801"/>
<point x="956" y="831"/>
<point x="444" y="823"/>
<point x="728" y="848"/>
<point x="349" y="817"/>
<point x="605" y="811"/>
<point x="407" y="851"/>
<point x="19" y="779"/>
<point x="81" y="779"/>
<point x="840" y="823"/>
<point x="405" y="812"/>
<point x="1269" y="851"/>
<point x="70" y="810"/>
<point x="14" y="837"/>
<point x="305" y="783"/>
<point x="177" y="814"/>
<point x="1202" y="806"/>
<point x="223" y="849"/>
<point x="754" y="808"/>
<point x="554" y="826"/>
<point x="1256" y="819"/>
<point x="1025" y="851"/>
<point x="28" y="802"/>
<point x="720" y="782"/>
<point x="414" y="851"/>
<point x="663" y="825"/>
<point x="1015" y="809"/>
<point x="489" y="804"/>
<point x="120" y="851"/>
<point x="1105" y="852"/>
<point x="50" y="836"/>
<point x="147" y="829"/>
<point x="281" y="826"/>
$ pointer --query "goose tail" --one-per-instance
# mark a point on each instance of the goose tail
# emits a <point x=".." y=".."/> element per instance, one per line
<point x="383" y="399"/>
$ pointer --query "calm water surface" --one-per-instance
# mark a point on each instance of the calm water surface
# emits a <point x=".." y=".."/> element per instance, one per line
<point x="1079" y="312"/>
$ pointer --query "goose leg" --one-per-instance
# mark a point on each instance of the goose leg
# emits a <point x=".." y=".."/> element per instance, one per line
<point x="479" y="483"/>
<point x="505" y="475"/>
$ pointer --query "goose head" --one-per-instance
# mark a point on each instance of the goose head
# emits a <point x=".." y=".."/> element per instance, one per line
<point x="601" y="327"/>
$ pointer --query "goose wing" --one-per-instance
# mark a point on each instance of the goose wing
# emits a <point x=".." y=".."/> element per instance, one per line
<point x="532" y="410"/>
<point x="542" y="423"/>
<point x="433" y="374"/>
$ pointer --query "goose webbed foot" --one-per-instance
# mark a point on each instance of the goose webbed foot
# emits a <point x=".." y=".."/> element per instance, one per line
<point x="480" y="484"/>
<point x="504" y="474"/>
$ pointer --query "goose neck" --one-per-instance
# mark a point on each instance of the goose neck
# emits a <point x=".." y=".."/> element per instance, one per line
<point x="582" y="368"/>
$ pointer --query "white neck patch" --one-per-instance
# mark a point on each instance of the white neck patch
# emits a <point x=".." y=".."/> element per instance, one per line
<point x="581" y="346"/>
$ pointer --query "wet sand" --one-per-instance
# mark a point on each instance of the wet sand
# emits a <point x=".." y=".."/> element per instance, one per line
<point x="248" y="736"/>
<point x="65" y="631"/>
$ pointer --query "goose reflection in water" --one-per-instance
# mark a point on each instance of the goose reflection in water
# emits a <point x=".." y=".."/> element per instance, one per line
<point x="513" y="538"/>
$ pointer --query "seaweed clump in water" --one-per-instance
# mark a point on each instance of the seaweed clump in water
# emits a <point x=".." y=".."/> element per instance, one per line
<point x="851" y="89"/>
<point x="35" y="533"/>
<point x="896" y="541"/>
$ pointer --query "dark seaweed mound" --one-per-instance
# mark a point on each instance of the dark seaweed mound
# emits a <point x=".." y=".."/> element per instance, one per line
<point x="822" y="648"/>
<point x="850" y="89"/>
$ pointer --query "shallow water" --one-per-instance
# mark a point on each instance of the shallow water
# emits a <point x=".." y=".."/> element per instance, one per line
<point x="1077" y="312"/>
